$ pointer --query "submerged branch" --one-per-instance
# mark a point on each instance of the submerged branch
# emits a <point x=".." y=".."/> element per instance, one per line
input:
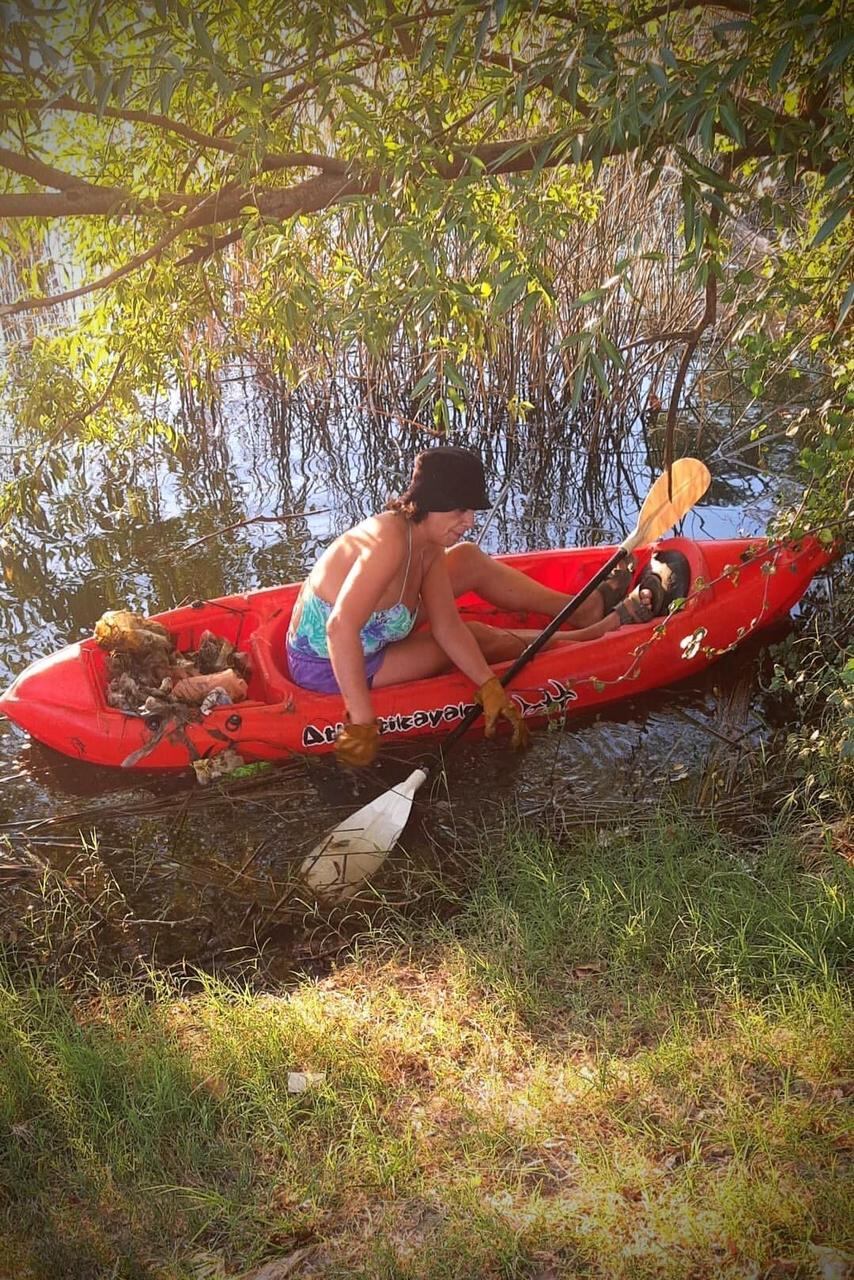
<point x="707" y="319"/>
<point x="242" y="524"/>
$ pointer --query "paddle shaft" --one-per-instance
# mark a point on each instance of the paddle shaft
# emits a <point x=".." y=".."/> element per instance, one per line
<point x="537" y="643"/>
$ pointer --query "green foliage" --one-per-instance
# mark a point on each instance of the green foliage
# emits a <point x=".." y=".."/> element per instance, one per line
<point x="814" y="674"/>
<point x="416" y="111"/>
<point x="450" y="196"/>
<point x="797" y="316"/>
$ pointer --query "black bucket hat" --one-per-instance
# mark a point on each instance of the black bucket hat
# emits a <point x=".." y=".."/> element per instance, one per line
<point x="448" y="479"/>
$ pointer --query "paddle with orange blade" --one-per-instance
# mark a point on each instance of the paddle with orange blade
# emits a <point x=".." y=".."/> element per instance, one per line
<point x="357" y="847"/>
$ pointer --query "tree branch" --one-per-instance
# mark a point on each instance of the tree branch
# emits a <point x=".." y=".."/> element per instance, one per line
<point x="88" y="200"/>
<point x="513" y="65"/>
<point x="66" y="103"/>
<point x="209" y="247"/>
<point x="80" y="198"/>
<point x="339" y="182"/>
<point x="273" y="161"/>
<point x="513" y="155"/>
<point x="39" y="304"/>
<point x="46" y="174"/>
<point x="399" y="24"/>
<point x="307" y="197"/>
<point x="303" y="160"/>
<point x="297" y="91"/>
<point x="744" y="7"/>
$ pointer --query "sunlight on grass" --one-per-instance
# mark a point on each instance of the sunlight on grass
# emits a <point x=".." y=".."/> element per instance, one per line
<point x="619" y="1058"/>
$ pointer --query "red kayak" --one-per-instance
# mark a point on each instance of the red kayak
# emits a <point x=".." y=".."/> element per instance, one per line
<point x="737" y="588"/>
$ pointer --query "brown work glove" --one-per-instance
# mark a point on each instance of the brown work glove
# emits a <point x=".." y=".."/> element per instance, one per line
<point x="495" y="702"/>
<point x="358" y="744"/>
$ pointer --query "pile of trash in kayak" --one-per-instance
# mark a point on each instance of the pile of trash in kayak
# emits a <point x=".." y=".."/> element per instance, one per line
<point x="147" y="676"/>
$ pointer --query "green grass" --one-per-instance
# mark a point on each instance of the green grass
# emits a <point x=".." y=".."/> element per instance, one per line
<point x="627" y="1056"/>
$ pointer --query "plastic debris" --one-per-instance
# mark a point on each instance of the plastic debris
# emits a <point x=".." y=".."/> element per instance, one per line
<point x="217" y="766"/>
<point x="251" y="770"/>
<point x="279" y="1268"/>
<point x="231" y="764"/>
<point x="833" y="1264"/>
<point x="300" y="1081"/>
<point x="196" y="688"/>
<point x="147" y="676"/>
<point x="216" y="698"/>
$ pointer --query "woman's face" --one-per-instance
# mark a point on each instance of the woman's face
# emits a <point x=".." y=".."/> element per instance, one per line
<point x="448" y="527"/>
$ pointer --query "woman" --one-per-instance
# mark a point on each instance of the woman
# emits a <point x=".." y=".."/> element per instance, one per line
<point x="353" y="624"/>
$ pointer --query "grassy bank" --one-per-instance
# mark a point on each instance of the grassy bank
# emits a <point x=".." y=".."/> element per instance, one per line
<point x="623" y="1056"/>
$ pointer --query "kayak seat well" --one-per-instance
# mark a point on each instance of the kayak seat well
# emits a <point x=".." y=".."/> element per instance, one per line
<point x="269" y="659"/>
<point x="561" y="570"/>
<point x="697" y="567"/>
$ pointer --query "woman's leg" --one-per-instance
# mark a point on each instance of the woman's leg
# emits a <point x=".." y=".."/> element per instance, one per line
<point x="471" y="569"/>
<point x="419" y="655"/>
<point x="609" y="623"/>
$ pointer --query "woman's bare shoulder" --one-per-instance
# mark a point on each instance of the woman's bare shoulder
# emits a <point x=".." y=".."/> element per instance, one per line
<point x="385" y="530"/>
<point x="376" y="539"/>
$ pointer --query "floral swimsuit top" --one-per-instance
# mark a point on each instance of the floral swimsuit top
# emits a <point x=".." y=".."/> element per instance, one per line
<point x="382" y="628"/>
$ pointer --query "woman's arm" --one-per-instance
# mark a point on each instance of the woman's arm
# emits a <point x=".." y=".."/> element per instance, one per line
<point x="447" y="627"/>
<point x="453" y="635"/>
<point x="379" y="560"/>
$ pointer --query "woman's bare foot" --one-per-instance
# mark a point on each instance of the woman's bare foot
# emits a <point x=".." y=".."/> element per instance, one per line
<point x="638" y="606"/>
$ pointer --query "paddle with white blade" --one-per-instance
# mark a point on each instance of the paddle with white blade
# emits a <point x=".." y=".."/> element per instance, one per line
<point x="357" y="847"/>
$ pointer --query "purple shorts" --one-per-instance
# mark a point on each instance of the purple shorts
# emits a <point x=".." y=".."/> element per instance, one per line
<point x="314" y="673"/>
